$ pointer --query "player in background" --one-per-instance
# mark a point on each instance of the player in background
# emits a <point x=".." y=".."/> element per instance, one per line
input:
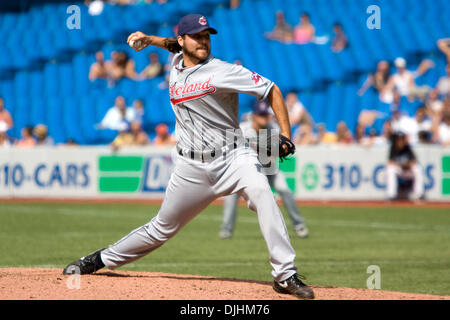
<point x="261" y="119"/>
<point x="211" y="157"/>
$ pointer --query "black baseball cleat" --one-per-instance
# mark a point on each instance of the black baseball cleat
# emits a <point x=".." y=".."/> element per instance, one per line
<point x="295" y="286"/>
<point x="85" y="265"/>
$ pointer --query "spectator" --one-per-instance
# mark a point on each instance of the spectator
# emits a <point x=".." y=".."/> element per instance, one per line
<point x="304" y="135"/>
<point x="234" y="4"/>
<point x="434" y="105"/>
<point x="121" y="66"/>
<point x="403" y="163"/>
<point x="340" y="40"/>
<point x="360" y="134"/>
<point x="304" y="32"/>
<point x="373" y="140"/>
<point x="442" y="126"/>
<point x="296" y="111"/>
<point x="134" y="137"/>
<point x="378" y="80"/>
<point x="99" y="68"/>
<point x="5" y="116"/>
<point x="443" y="85"/>
<point x="324" y="136"/>
<point x="71" y="142"/>
<point x="282" y="31"/>
<point x="420" y="126"/>
<point x="162" y="136"/>
<point x="138" y="107"/>
<point x="5" y="141"/>
<point x="118" y="115"/>
<point x="444" y="46"/>
<point x="27" y="140"/>
<point x="343" y="134"/>
<point x="404" y="80"/>
<point x="41" y="133"/>
<point x="95" y="7"/>
<point x="154" y="69"/>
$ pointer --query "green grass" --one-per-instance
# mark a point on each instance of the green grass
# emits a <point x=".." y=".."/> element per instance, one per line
<point x="411" y="246"/>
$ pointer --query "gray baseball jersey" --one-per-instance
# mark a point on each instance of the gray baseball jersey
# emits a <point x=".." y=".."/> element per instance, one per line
<point x="205" y="101"/>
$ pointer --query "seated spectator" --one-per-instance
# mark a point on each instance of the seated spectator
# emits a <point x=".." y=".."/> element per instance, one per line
<point x="420" y="125"/>
<point x="234" y="4"/>
<point x="324" y="136"/>
<point x="340" y="40"/>
<point x="403" y="163"/>
<point x="304" y="32"/>
<point x="443" y="85"/>
<point x="401" y="122"/>
<point x="163" y="137"/>
<point x="282" y="31"/>
<point x="343" y="134"/>
<point x="404" y="81"/>
<point x="5" y="116"/>
<point x="154" y="69"/>
<point x="121" y="66"/>
<point x="138" y="107"/>
<point x="304" y="135"/>
<point x="27" y="139"/>
<point x="377" y="80"/>
<point x="442" y="125"/>
<point x="444" y="46"/>
<point x="135" y="136"/>
<point x="360" y="134"/>
<point x="71" y="142"/>
<point x="296" y="111"/>
<point x="99" y="68"/>
<point x="41" y="133"/>
<point x="5" y="141"/>
<point x="373" y="140"/>
<point x="117" y="115"/>
<point x="434" y="105"/>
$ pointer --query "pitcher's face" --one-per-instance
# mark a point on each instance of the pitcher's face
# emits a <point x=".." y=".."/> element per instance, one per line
<point x="197" y="46"/>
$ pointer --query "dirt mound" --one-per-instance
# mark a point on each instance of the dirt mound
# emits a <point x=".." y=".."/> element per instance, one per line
<point x="49" y="284"/>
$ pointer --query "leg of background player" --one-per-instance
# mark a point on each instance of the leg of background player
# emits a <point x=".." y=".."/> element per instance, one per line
<point x="392" y="172"/>
<point x="229" y="216"/>
<point x="278" y="182"/>
<point x="188" y="193"/>
<point x="418" y="187"/>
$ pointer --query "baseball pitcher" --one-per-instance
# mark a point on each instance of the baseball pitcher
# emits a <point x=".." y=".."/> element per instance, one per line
<point x="211" y="157"/>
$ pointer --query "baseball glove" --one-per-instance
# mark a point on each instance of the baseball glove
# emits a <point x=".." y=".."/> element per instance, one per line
<point x="287" y="148"/>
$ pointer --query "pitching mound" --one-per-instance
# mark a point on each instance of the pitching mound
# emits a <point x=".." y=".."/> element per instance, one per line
<point x="49" y="284"/>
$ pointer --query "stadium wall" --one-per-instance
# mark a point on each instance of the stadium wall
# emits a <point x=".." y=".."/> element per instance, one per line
<point x="316" y="173"/>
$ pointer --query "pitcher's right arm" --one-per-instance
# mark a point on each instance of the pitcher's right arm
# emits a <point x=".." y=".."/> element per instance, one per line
<point x="170" y="44"/>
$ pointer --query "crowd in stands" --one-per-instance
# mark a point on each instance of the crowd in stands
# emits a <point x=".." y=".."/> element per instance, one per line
<point x="304" y="32"/>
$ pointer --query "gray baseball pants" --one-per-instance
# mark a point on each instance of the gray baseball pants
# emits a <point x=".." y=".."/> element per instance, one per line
<point x="192" y="187"/>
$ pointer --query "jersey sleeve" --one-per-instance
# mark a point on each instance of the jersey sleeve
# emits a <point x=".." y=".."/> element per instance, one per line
<point x="236" y="78"/>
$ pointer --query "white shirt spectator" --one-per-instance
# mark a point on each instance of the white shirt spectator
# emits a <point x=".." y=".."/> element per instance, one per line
<point x="444" y="133"/>
<point x="403" y="82"/>
<point x="113" y="118"/>
<point x="443" y="85"/>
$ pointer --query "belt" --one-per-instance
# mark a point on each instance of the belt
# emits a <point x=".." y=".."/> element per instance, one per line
<point x="205" y="156"/>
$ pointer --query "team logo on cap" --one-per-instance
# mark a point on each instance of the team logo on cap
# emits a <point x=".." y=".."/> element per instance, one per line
<point x="202" y="21"/>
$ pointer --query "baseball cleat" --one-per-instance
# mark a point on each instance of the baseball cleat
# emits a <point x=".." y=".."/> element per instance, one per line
<point x="295" y="286"/>
<point x="302" y="231"/>
<point x="85" y="265"/>
<point x="225" y="234"/>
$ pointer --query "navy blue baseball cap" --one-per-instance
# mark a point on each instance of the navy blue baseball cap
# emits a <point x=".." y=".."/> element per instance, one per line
<point x="194" y="23"/>
<point x="261" y="108"/>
